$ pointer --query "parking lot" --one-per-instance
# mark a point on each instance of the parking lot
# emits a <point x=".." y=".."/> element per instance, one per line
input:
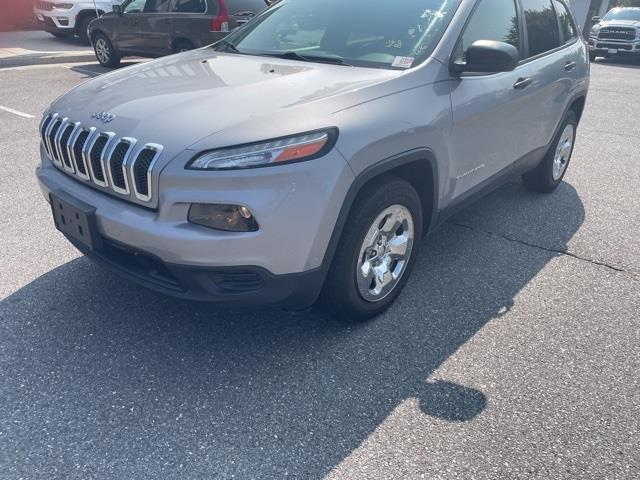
<point x="514" y="351"/>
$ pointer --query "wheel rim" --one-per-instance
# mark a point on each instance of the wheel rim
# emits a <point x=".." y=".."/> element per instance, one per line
<point x="102" y="50"/>
<point x="563" y="152"/>
<point x="385" y="253"/>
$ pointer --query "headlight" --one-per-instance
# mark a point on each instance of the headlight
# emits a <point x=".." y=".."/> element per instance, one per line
<point x="305" y="146"/>
<point x="63" y="6"/>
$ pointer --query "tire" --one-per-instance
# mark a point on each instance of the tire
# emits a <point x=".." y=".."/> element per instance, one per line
<point x="347" y="293"/>
<point x="592" y="57"/>
<point x="105" y="53"/>
<point x="549" y="173"/>
<point x="183" y="46"/>
<point x="83" y="29"/>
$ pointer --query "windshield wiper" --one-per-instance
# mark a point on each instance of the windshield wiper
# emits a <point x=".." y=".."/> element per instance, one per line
<point x="227" y="46"/>
<point x="310" y="58"/>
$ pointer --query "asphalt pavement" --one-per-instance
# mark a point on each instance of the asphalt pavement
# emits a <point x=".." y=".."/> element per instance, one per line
<point x="513" y="352"/>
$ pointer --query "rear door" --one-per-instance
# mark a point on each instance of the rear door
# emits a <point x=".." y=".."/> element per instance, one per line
<point x="241" y="11"/>
<point x="491" y="119"/>
<point x="552" y="64"/>
<point x="145" y="27"/>
<point x="191" y="20"/>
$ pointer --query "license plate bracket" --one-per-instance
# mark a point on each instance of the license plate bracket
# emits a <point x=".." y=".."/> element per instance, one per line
<point x="75" y="219"/>
<point x="613" y="51"/>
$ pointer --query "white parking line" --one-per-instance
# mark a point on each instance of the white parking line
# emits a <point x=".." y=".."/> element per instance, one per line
<point x="17" y="112"/>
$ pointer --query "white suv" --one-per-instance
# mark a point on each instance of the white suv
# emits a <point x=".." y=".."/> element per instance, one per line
<point x="67" y="18"/>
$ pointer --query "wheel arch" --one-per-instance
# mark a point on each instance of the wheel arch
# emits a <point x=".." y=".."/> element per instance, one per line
<point x="418" y="167"/>
<point x="179" y="39"/>
<point x="88" y="13"/>
<point x="577" y="105"/>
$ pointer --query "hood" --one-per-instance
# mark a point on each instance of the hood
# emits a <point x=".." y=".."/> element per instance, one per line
<point x="178" y="100"/>
<point x="620" y="23"/>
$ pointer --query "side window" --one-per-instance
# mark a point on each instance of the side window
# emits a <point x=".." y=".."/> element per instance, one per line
<point x="491" y="20"/>
<point x="135" y="6"/>
<point x="566" y="24"/>
<point x="239" y="6"/>
<point x="542" y="26"/>
<point x="156" y="6"/>
<point x="189" y="6"/>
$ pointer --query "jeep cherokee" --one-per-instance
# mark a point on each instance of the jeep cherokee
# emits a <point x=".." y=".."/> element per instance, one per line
<point x="305" y="155"/>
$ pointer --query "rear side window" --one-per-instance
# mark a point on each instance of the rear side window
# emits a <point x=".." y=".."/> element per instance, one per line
<point x="491" y="20"/>
<point x="240" y="6"/>
<point x="566" y="25"/>
<point x="542" y="26"/>
<point x="189" y="6"/>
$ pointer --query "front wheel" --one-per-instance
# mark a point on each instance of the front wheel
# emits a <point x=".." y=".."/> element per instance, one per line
<point x="549" y="173"/>
<point x="376" y="252"/>
<point x="592" y="56"/>
<point x="105" y="53"/>
<point x="83" y="29"/>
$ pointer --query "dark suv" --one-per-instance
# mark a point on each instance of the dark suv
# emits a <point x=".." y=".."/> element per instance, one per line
<point x="152" y="28"/>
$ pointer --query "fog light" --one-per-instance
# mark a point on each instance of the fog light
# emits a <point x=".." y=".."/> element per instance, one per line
<point x="63" y="20"/>
<point x="230" y="218"/>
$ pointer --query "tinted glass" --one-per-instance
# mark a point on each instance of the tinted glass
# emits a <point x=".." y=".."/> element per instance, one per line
<point x="566" y="25"/>
<point x="492" y="20"/>
<point x="391" y="34"/>
<point x="155" y="6"/>
<point x="239" y="6"/>
<point x="135" y="6"/>
<point x="623" y="14"/>
<point x="189" y="6"/>
<point x="542" y="26"/>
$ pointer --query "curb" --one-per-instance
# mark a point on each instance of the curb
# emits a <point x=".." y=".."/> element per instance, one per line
<point x="39" y="59"/>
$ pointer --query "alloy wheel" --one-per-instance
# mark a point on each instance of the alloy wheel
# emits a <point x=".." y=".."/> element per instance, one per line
<point x="385" y="253"/>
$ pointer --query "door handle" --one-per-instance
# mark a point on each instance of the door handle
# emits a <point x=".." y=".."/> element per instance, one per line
<point x="570" y="66"/>
<point x="522" y="83"/>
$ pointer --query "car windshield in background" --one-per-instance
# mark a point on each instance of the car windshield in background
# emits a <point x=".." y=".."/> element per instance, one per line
<point x="625" y="14"/>
<point x="392" y="34"/>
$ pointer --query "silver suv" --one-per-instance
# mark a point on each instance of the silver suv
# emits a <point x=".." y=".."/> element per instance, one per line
<point x="305" y="155"/>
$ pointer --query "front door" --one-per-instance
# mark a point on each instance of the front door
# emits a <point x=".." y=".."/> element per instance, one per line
<point x="490" y="111"/>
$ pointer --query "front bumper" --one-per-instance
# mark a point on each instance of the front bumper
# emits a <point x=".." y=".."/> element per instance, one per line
<point x="283" y="262"/>
<point x="603" y="46"/>
<point x="54" y="21"/>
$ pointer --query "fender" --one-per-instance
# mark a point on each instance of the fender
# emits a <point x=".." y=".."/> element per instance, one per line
<point x="380" y="168"/>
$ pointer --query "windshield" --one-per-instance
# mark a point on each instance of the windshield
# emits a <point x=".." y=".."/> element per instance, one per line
<point x="623" y="14"/>
<point x="391" y="34"/>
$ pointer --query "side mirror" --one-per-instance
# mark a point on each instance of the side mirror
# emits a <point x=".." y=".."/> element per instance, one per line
<point x="489" y="56"/>
<point x="596" y="19"/>
<point x="117" y="9"/>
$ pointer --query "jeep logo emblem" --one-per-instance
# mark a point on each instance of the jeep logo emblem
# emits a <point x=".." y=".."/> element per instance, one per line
<point x="104" y="117"/>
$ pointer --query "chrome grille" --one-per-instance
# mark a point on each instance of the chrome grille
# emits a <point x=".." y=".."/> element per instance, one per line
<point x="44" y="6"/>
<point x="617" y="33"/>
<point x="117" y="164"/>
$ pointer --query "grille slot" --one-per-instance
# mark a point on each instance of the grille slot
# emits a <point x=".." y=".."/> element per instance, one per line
<point x="78" y="147"/>
<point x="45" y="6"/>
<point x="95" y="159"/>
<point x="51" y="140"/>
<point x="64" y="143"/>
<point x="43" y="132"/>
<point x="117" y="166"/>
<point x="141" y="170"/>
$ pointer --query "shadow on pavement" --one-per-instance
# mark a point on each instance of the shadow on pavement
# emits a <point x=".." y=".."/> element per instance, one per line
<point x="108" y="379"/>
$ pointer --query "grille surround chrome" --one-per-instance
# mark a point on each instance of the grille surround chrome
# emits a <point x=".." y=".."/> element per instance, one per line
<point x="132" y="143"/>
<point x="56" y="150"/>
<point x="148" y="146"/>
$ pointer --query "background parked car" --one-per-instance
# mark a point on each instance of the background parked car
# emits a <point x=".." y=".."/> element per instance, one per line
<point x="66" y="18"/>
<point x="618" y="33"/>
<point x="152" y="28"/>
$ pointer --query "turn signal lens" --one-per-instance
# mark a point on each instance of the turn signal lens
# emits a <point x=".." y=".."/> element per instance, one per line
<point x="229" y="218"/>
<point x="289" y="149"/>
